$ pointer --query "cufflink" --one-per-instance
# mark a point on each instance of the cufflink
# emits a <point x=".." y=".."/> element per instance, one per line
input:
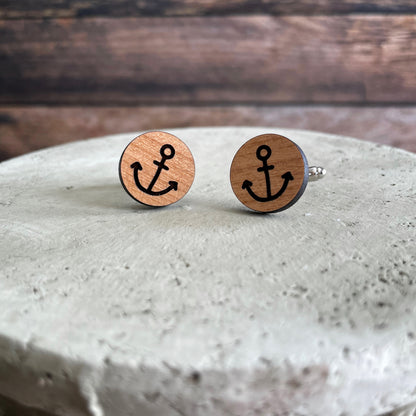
<point x="269" y="173"/>
<point x="157" y="169"/>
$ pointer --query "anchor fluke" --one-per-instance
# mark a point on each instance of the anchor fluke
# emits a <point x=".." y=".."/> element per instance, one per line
<point x="173" y="185"/>
<point x="136" y="165"/>
<point x="287" y="176"/>
<point x="247" y="184"/>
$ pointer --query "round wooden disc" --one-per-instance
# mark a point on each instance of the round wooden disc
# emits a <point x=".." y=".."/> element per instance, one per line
<point x="269" y="173"/>
<point x="157" y="169"/>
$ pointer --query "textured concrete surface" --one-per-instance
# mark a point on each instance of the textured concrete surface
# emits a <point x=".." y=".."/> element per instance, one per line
<point x="205" y="308"/>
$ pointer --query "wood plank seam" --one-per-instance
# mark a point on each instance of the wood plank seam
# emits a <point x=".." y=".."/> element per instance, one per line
<point x="88" y="8"/>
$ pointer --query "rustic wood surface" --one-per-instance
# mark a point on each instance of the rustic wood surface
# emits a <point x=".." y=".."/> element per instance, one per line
<point x="72" y="69"/>
<point x="157" y="169"/>
<point x="23" y="129"/>
<point x="269" y="173"/>
<point x="81" y="8"/>
<point x="249" y="59"/>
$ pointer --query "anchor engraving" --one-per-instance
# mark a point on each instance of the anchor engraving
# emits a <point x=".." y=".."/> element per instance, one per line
<point x="167" y="152"/>
<point x="263" y="153"/>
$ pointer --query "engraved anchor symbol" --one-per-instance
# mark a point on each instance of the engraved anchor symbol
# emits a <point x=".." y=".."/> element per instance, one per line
<point x="263" y="153"/>
<point x="167" y="152"/>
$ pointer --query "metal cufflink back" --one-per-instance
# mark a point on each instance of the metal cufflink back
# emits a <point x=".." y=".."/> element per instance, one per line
<point x="157" y="169"/>
<point x="269" y="173"/>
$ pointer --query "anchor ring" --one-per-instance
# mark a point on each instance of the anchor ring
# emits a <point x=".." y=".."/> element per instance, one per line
<point x="167" y="147"/>
<point x="260" y="150"/>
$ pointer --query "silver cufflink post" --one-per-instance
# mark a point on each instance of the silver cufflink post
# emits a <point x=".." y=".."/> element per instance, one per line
<point x="316" y="172"/>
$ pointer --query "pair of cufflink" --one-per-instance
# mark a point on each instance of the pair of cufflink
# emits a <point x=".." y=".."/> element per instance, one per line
<point x="269" y="173"/>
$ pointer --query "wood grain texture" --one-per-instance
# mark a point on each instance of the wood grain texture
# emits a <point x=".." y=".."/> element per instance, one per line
<point x="24" y="129"/>
<point x="157" y="169"/>
<point x="257" y="59"/>
<point x="269" y="173"/>
<point x="81" y="8"/>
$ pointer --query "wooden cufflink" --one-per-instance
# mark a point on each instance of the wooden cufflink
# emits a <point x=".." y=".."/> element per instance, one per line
<point x="157" y="169"/>
<point x="269" y="173"/>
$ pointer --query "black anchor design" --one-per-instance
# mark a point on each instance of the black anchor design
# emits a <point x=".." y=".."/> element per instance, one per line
<point x="173" y="185"/>
<point x="266" y="168"/>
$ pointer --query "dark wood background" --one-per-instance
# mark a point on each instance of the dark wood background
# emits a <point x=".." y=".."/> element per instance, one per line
<point x="73" y="69"/>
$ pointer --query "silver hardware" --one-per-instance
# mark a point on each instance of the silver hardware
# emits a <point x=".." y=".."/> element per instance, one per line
<point x="316" y="172"/>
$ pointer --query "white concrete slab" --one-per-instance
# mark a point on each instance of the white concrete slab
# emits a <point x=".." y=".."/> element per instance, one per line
<point x="204" y="308"/>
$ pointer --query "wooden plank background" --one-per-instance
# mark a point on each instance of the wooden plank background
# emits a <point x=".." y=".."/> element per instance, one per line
<point x="249" y="59"/>
<point x="75" y="69"/>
